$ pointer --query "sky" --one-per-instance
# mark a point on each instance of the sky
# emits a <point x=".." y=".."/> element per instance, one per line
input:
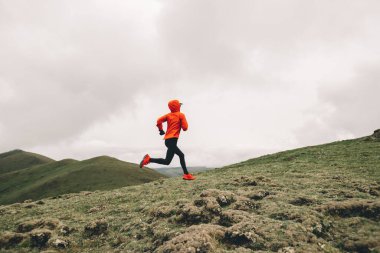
<point x="83" y="78"/>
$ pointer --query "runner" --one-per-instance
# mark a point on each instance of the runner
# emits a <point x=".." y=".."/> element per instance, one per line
<point x="176" y="121"/>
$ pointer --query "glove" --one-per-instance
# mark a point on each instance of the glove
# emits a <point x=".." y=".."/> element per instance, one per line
<point x="162" y="132"/>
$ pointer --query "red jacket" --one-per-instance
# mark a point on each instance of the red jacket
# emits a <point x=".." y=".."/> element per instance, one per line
<point x="175" y="120"/>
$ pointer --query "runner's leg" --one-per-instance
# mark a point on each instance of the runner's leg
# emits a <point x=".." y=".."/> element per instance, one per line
<point x="181" y="156"/>
<point x="182" y="160"/>
<point x="169" y="154"/>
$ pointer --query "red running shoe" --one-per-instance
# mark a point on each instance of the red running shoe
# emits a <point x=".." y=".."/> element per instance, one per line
<point x="188" y="177"/>
<point x="145" y="160"/>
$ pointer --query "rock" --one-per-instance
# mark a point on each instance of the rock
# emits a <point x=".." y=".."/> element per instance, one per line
<point x="94" y="228"/>
<point x="59" y="243"/>
<point x="39" y="238"/>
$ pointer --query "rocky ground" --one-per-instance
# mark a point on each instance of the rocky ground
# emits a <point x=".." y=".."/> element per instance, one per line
<point x="315" y="199"/>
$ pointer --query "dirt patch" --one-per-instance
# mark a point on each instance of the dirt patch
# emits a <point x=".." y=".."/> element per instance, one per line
<point x="259" y="195"/>
<point x="39" y="233"/>
<point x="162" y="212"/>
<point x="29" y="205"/>
<point x="191" y="214"/>
<point x="96" y="209"/>
<point x="302" y="201"/>
<point x="10" y="239"/>
<point x="206" y="208"/>
<point x="95" y="228"/>
<point x="287" y="215"/>
<point x="28" y="226"/>
<point x="371" y="188"/>
<point x="138" y="229"/>
<point x="260" y="233"/>
<point x="311" y="220"/>
<point x="209" y="203"/>
<point x="361" y="246"/>
<point x="39" y="237"/>
<point x="351" y="208"/>
<point x="196" y="239"/>
<point x="230" y="217"/>
<point x="245" y="181"/>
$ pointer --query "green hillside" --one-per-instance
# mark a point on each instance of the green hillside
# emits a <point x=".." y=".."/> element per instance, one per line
<point x="68" y="176"/>
<point x="18" y="160"/>
<point x="314" y="199"/>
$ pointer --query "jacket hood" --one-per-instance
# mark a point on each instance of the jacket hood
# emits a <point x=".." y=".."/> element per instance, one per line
<point x="174" y="105"/>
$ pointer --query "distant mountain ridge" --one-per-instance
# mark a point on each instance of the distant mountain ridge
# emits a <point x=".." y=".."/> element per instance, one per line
<point x="26" y="175"/>
<point x="19" y="159"/>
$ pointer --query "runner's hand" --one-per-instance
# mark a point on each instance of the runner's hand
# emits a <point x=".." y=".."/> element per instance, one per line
<point x="162" y="132"/>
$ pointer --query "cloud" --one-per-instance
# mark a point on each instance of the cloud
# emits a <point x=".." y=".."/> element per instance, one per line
<point x="67" y="65"/>
<point x="246" y="42"/>
<point x="346" y="110"/>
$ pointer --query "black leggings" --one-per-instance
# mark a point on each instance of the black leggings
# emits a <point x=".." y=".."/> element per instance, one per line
<point x="172" y="149"/>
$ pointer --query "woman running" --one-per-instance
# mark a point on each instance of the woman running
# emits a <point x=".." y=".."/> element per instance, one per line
<point x="176" y="121"/>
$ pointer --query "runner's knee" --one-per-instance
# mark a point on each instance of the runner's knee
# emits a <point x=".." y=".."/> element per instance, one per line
<point x="168" y="161"/>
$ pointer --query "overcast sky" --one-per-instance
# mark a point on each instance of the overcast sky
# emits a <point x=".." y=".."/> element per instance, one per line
<point x="82" y="78"/>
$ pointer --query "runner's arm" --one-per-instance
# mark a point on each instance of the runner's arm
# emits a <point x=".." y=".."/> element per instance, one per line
<point x="184" y="124"/>
<point x="161" y="120"/>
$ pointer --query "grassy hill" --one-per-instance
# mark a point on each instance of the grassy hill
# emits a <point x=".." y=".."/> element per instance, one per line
<point x="68" y="176"/>
<point x="314" y="199"/>
<point x="177" y="171"/>
<point x="18" y="160"/>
